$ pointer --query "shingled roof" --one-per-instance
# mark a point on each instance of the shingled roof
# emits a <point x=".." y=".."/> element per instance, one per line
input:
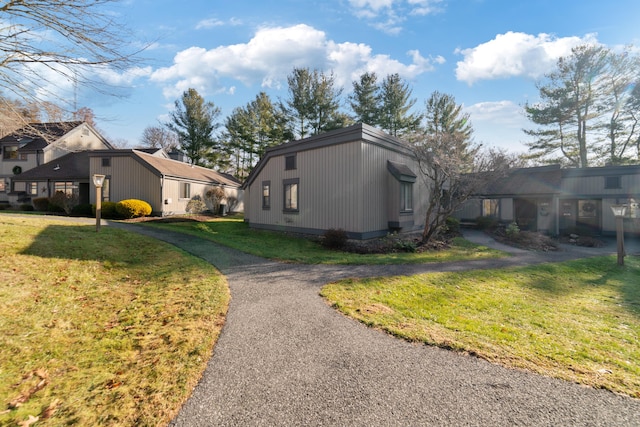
<point x="176" y="169"/>
<point x="527" y="181"/>
<point x="36" y="136"/>
<point x="70" y="167"/>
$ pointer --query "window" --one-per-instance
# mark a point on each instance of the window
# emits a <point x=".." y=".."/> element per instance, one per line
<point x="611" y="182"/>
<point x="266" y="195"/>
<point x="68" y="188"/>
<point x="106" y="162"/>
<point x="185" y="190"/>
<point x="291" y="190"/>
<point x="491" y="207"/>
<point x="290" y="162"/>
<point x="406" y="196"/>
<point x="32" y="188"/>
<point x="105" y="190"/>
<point x="11" y="153"/>
<point x="3" y="185"/>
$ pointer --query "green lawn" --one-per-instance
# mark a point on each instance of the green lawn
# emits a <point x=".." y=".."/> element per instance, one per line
<point x="108" y="328"/>
<point x="577" y="320"/>
<point x="234" y="233"/>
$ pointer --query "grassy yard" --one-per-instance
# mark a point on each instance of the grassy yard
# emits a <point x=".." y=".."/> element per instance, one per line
<point x="578" y="320"/>
<point x="234" y="233"/>
<point x="108" y="328"/>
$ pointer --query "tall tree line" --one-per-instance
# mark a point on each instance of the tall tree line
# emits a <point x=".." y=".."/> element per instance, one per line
<point x="313" y="105"/>
<point x="589" y="109"/>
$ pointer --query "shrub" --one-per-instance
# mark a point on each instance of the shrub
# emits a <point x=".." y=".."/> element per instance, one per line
<point x="62" y="202"/>
<point x="41" y="204"/>
<point x="402" y="245"/>
<point x="84" y="209"/>
<point x="512" y="229"/>
<point x="486" y="222"/>
<point x="133" y="208"/>
<point x="334" y="238"/>
<point x="214" y="197"/>
<point x="26" y="207"/>
<point x="107" y="210"/>
<point x="452" y="225"/>
<point x="196" y="205"/>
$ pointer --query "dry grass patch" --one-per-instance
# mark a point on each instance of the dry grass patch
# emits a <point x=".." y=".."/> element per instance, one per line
<point x="108" y="328"/>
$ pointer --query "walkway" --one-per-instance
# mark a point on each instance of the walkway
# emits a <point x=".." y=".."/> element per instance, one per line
<point x="286" y="358"/>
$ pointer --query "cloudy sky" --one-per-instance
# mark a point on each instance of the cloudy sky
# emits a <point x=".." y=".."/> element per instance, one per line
<point x="488" y="54"/>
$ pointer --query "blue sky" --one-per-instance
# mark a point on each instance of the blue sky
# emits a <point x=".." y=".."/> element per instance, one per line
<point x="488" y="54"/>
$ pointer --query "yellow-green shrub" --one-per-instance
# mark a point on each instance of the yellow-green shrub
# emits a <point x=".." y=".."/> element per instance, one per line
<point x="133" y="208"/>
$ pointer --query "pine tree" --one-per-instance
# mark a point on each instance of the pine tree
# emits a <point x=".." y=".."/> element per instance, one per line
<point x="395" y="105"/>
<point x="314" y="102"/>
<point x="194" y="121"/>
<point x="364" y="100"/>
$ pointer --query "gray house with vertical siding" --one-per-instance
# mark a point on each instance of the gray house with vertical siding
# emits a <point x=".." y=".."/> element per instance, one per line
<point x="166" y="184"/>
<point x="358" y="179"/>
<point x="561" y="201"/>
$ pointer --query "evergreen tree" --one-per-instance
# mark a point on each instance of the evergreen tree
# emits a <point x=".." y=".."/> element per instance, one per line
<point x="443" y="116"/>
<point x="588" y="109"/>
<point x="314" y="102"/>
<point x="194" y="121"/>
<point x="252" y="129"/>
<point x="364" y="100"/>
<point x="395" y="105"/>
<point x="620" y="104"/>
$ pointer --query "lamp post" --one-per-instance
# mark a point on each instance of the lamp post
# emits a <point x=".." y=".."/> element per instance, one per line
<point x="98" y="180"/>
<point x="619" y="211"/>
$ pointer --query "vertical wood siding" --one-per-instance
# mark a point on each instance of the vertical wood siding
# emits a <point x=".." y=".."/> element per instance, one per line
<point x="341" y="186"/>
<point x="128" y="180"/>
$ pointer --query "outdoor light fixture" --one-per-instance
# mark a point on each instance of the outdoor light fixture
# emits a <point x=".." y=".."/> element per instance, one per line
<point x="98" y="181"/>
<point x="619" y="212"/>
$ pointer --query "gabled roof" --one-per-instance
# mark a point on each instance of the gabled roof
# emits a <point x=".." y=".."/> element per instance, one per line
<point x="36" y="136"/>
<point x="162" y="166"/>
<point x="357" y="132"/>
<point x="70" y="167"/>
<point x="527" y="181"/>
<point x="175" y="169"/>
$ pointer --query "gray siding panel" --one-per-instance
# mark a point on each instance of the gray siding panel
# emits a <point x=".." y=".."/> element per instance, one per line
<point x="340" y="186"/>
<point x="130" y="181"/>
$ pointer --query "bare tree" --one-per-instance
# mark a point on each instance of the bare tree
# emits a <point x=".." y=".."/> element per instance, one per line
<point x="452" y="166"/>
<point x="43" y="40"/>
<point x="159" y="137"/>
<point x="450" y="181"/>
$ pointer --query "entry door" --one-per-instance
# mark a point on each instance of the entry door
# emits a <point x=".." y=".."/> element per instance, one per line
<point x="83" y="193"/>
<point x="589" y="217"/>
<point x="526" y="212"/>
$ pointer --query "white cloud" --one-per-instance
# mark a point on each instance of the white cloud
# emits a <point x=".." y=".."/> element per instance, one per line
<point x="515" y="54"/>
<point x="388" y="15"/>
<point x="214" y="22"/>
<point x="270" y="56"/>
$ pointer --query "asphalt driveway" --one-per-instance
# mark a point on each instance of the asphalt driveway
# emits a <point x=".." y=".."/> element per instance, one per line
<point x="286" y="358"/>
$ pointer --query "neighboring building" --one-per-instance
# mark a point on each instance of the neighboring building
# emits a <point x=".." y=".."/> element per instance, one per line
<point x="38" y="144"/>
<point x="358" y="179"/>
<point x="167" y="185"/>
<point x="561" y="201"/>
<point x="68" y="174"/>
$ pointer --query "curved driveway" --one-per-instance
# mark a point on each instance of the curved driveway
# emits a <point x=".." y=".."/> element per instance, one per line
<point x="286" y="358"/>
